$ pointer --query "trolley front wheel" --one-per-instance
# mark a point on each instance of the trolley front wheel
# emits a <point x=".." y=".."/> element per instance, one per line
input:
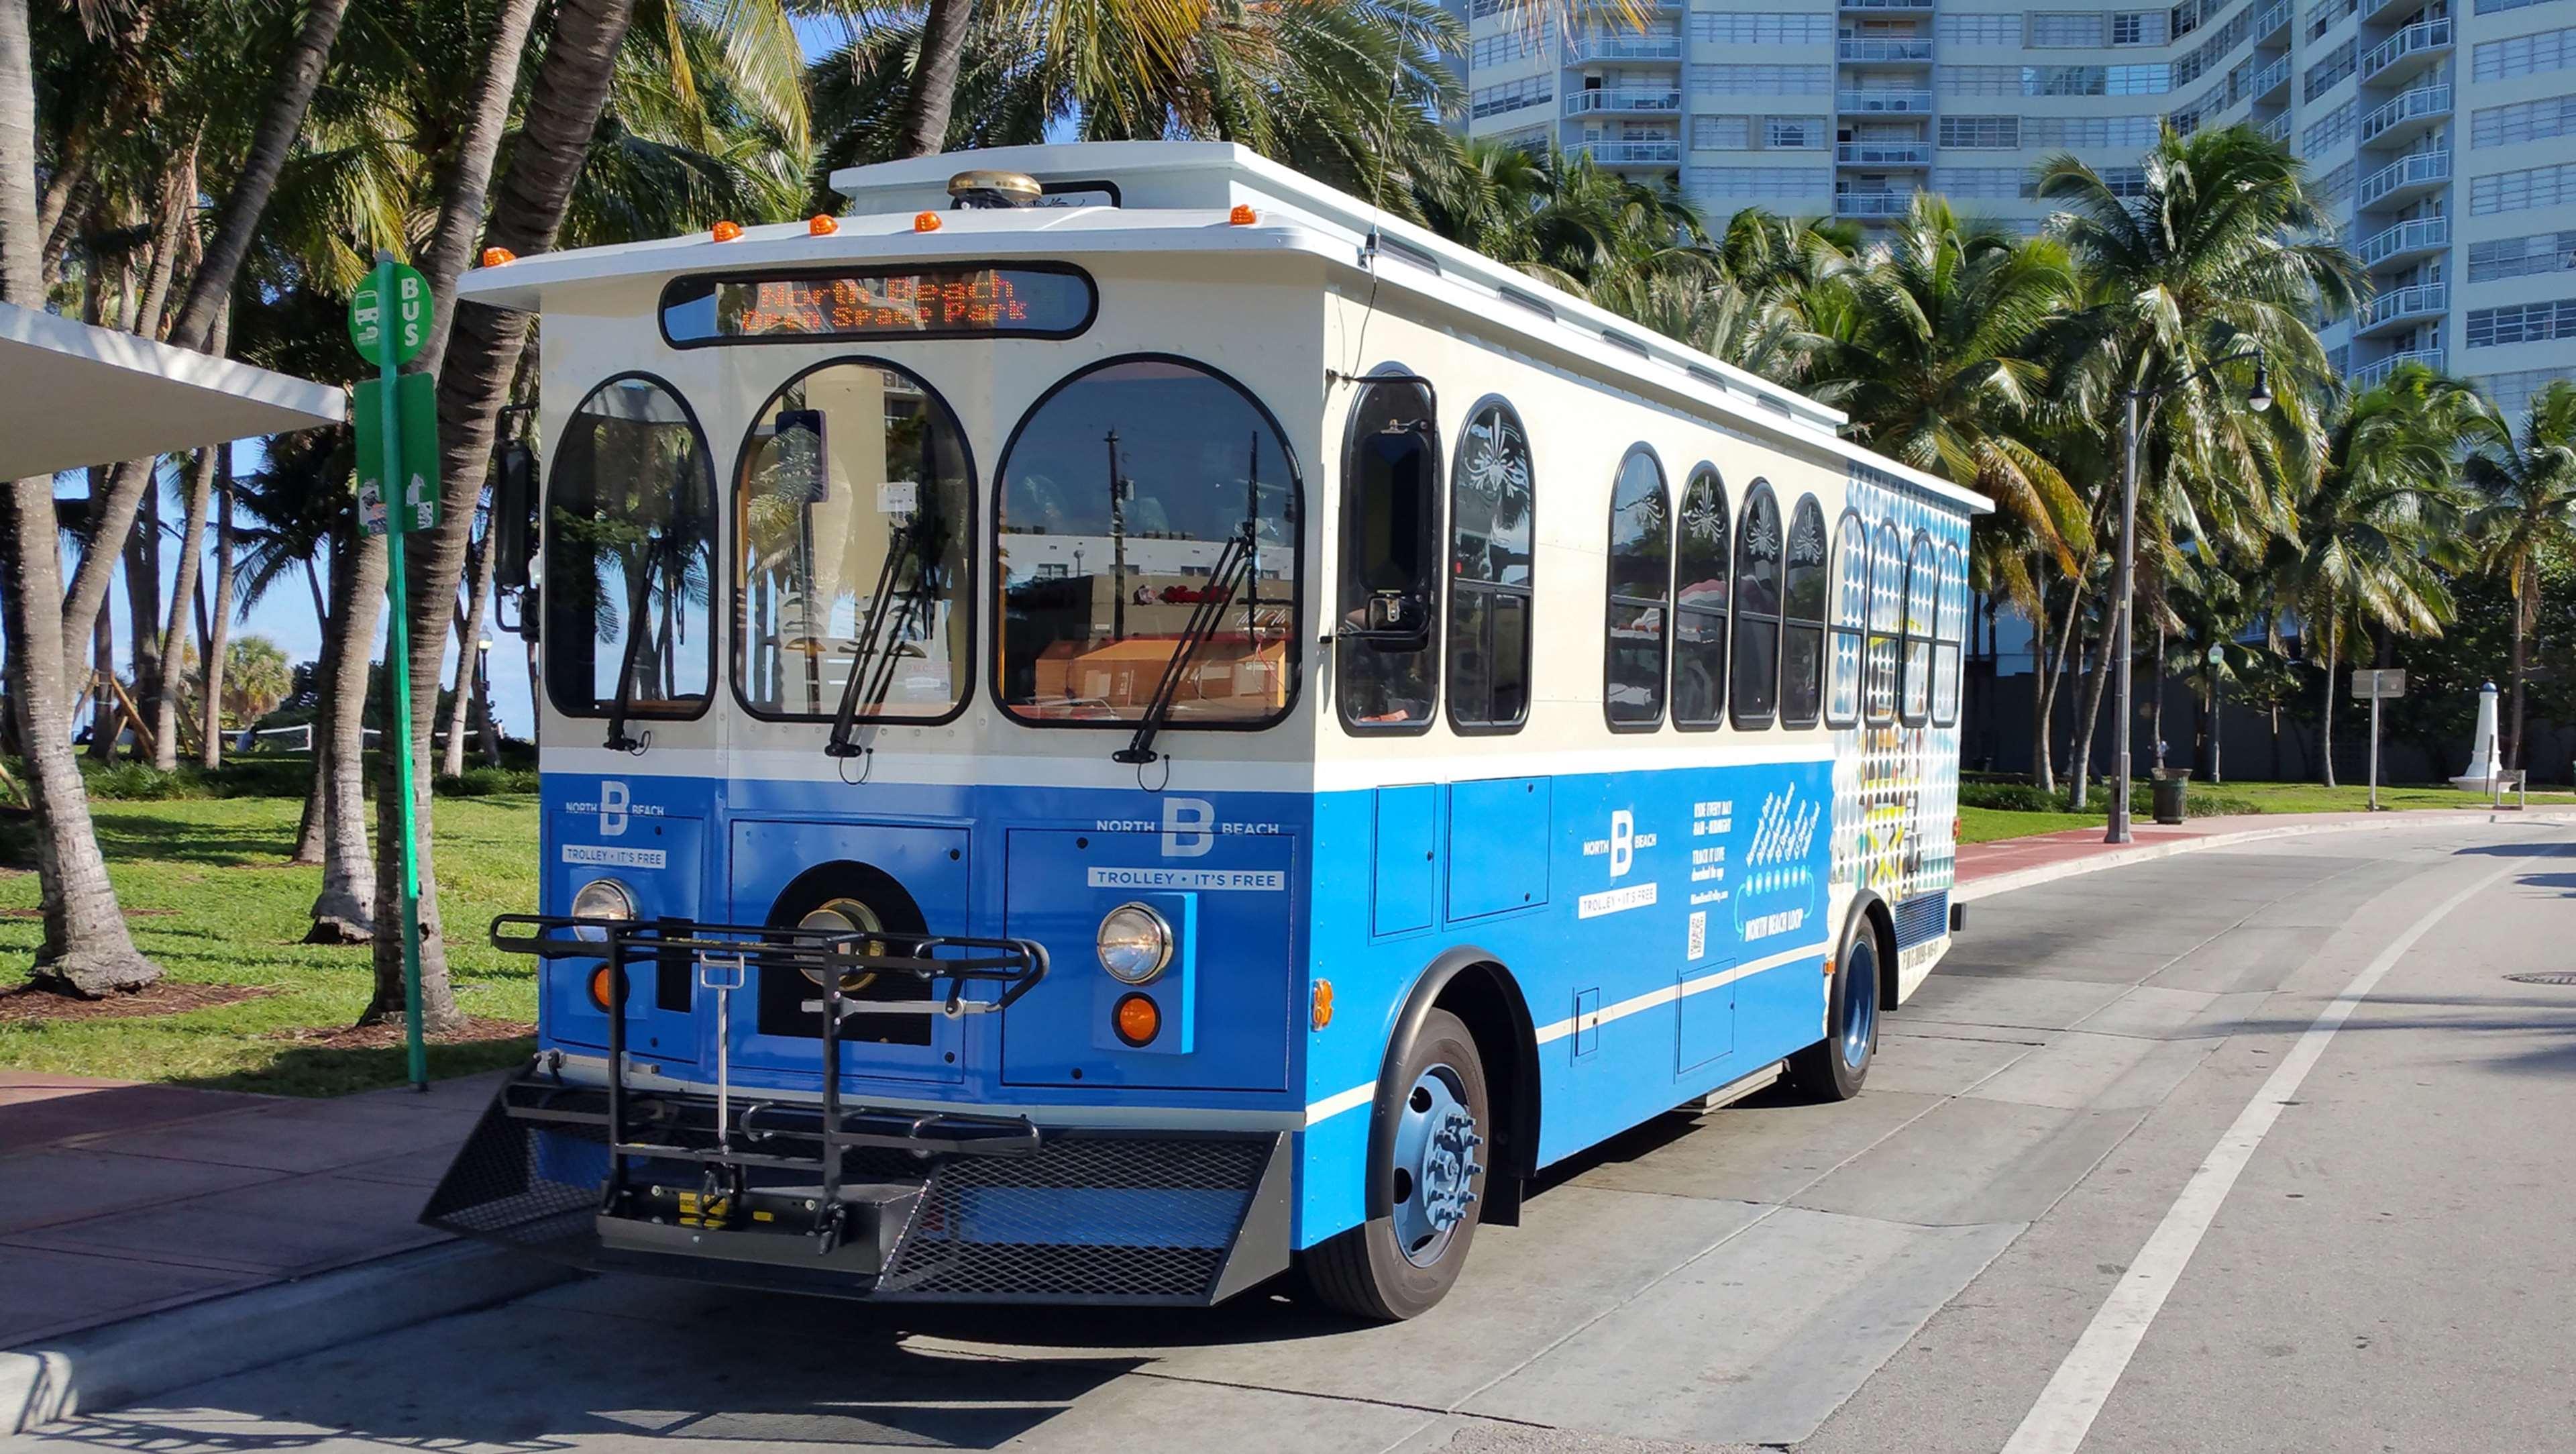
<point x="1834" y="1068"/>
<point x="1398" y="1264"/>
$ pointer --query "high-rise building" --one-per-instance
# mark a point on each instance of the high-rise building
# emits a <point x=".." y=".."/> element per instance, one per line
<point x="2443" y="134"/>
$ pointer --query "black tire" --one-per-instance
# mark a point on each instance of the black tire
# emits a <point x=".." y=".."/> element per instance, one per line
<point x="1834" y="1068"/>
<point x="1366" y="1271"/>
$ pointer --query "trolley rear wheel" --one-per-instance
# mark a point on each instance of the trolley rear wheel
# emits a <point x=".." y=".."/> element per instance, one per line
<point x="1833" y="1068"/>
<point x="1398" y="1265"/>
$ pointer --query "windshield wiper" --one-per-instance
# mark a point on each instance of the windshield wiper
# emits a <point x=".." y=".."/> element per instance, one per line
<point x="871" y="675"/>
<point x="1233" y="566"/>
<point x="624" y="705"/>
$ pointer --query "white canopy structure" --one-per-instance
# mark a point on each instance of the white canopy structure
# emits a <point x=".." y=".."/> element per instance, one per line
<point x="74" y="395"/>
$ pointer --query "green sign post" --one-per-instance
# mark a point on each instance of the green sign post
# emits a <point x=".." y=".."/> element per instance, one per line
<point x="397" y="419"/>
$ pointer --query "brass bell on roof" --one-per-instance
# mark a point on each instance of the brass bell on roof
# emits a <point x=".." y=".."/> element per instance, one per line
<point x="994" y="189"/>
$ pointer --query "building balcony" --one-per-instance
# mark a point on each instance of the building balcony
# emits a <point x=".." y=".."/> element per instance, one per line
<point x="2409" y="51"/>
<point x="1872" y="204"/>
<point x="1925" y="6"/>
<point x="2404" y="180"/>
<point x="2276" y="129"/>
<point x="2271" y="22"/>
<point x="2268" y="80"/>
<point x="2406" y="116"/>
<point x="2402" y="306"/>
<point x="2405" y="241"/>
<point x="2384" y="12"/>
<point x="1632" y="153"/>
<point x="1884" y="51"/>
<point x="2371" y="375"/>
<point x="1614" y="47"/>
<point x="1884" y="103"/>
<point x="1622" y="100"/>
<point x="1884" y="153"/>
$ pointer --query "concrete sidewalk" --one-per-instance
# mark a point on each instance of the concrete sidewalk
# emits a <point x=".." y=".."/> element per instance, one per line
<point x="119" y="1199"/>
<point x="1987" y="869"/>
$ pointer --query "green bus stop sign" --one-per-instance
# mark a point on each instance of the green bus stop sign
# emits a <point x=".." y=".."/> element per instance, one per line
<point x="391" y="307"/>
<point x="413" y="504"/>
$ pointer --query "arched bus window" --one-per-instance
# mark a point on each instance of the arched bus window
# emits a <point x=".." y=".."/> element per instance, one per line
<point x="1132" y="492"/>
<point x="630" y="557"/>
<point x="1640" y="585"/>
<point x="1850" y="621"/>
<point x="1386" y="675"/>
<point x="1802" y="633"/>
<point x="1946" y="637"/>
<point x="853" y="512"/>
<point x="1886" y="615"/>
<point x="1491" y="500"/>
<point x="1756" y="687"/>
<point x="1700" y="566"/>
<point x="1922" y="603"/>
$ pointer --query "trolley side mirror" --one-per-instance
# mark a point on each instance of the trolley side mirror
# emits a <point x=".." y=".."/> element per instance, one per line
<point x="1396" y="621"/>
<point x="514" y="516"/>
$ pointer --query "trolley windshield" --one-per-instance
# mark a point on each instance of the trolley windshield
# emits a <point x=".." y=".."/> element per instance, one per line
<point x="1127" y="497"/>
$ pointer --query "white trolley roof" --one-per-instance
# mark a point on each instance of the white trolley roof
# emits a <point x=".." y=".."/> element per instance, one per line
<point x="1175" y="197"/>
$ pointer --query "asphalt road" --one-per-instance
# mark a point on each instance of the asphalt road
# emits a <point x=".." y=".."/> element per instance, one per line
<point x="2251" y="1149"/>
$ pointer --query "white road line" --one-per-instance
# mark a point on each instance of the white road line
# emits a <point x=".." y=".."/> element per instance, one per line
<point x="2074" y="1397"/>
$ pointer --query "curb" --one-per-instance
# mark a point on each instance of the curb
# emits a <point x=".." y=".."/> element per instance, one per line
<point x="2022" y="878"/>
<point x="125" y="1362"/>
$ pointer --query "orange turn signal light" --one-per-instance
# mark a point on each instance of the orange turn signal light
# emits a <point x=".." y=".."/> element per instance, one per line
<point x="599" y="987"/>
<point x="494" y="257"/>
<point x="1323" y="1012"/>
<point x="822" y="226"/>
<point x="727" y="231"/>
<point x="1242" y="215"/>
<point x="1137" y="1019"/>
<point x="925" y="222"/>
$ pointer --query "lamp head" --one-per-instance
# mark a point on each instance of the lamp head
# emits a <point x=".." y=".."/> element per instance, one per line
<point x="2259" y="398"/>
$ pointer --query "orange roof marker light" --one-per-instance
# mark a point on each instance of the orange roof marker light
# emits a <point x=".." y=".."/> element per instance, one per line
<point x="822" y="226"/>
<point x="727" y="231"/>
<point x="925" y="222"/>
<point x="1242" y="215"/>
<point x="494" y="257"/>
<point x="1323" y="1012"/>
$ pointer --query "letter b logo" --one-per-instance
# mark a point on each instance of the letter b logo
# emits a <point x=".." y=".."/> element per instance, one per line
<point x="1188" y="825"/>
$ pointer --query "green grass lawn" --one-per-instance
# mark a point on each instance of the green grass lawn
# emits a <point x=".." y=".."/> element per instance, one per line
<point x="210" y="898"/>
<point x="1986" y="825"/>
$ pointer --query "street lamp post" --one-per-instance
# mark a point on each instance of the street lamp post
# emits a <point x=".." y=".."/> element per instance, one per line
<point x="2124" y="584"/>
<point x="483" y="699"/>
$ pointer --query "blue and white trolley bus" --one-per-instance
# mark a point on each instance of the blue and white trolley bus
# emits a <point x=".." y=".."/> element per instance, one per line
<point x="1118" y="721"/>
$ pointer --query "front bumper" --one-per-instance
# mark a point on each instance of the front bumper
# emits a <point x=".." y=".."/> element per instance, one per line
<point x="950" y="1207"/>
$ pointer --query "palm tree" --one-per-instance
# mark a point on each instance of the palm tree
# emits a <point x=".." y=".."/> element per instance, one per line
<point x="2379" y="521"/>
<point x="2223" y="250"/>
<point x="1941" y="362"/>
<point x="2525" y="484"/>
<point x="476" y="368"/>
<point x="256" y="678"/>
<point x="86" y="950"/>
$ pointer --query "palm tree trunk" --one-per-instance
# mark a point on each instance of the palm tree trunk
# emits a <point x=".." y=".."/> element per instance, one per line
<point x="297" y="76"/>
<point x="183" y="592"/>
<point x="345" y="911"/>
<point x="478" y="586"/>
<point x="2043" y="752"/>
<point x="2326" y="755"/>
<point x="934" y="78"/>
<point x="219" y="624"/>
<point x="477" y="362"/>
<point x="299" y="71"/>
<point x="2156" y="701"/>
<point x="2079" y="781"/>
<point x="86" y="949"/>
<point x="2525" y="598"/>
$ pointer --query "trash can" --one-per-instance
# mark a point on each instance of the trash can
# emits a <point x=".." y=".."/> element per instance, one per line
<point x="2168" y="795"/>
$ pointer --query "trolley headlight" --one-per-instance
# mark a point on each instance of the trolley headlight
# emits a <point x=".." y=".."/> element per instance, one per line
<point x="604" y="901"/>
<point x="1135" y="944"/>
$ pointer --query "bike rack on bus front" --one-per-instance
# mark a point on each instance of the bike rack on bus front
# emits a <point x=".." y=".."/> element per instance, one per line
<point x="724" y="956"/>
